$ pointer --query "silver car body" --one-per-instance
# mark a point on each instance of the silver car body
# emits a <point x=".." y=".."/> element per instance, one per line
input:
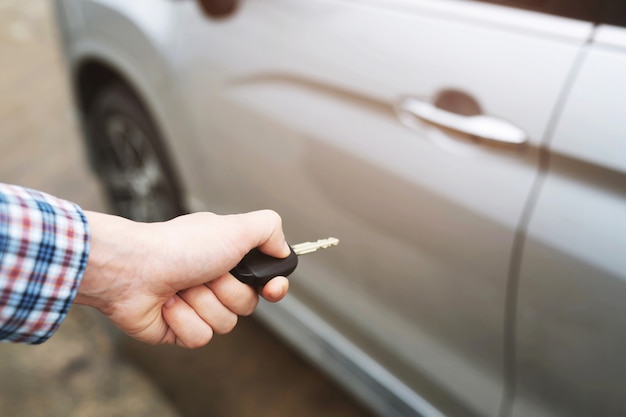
<point x="472" y="278"/>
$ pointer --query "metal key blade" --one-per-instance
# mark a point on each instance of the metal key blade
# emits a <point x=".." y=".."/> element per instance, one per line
<point x="308" y="247"/>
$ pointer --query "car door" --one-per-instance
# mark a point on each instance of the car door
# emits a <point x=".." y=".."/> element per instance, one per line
<point x="571" y="312"/>
<point x="317" y="109"/>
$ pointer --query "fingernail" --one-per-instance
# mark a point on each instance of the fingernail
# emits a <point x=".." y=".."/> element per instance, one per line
<point x="287" y="247"/>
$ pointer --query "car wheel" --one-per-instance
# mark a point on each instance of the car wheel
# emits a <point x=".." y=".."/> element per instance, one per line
<point x="129" y="157"/>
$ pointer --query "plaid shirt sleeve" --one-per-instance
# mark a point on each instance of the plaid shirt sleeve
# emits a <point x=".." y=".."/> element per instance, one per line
<point x="44" y="245"/>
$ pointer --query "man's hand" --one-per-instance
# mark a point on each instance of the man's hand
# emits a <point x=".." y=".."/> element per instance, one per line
<point x="170" y="282"/>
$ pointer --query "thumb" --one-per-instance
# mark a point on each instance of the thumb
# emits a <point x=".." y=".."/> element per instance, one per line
<point x="263" y="229"/>
<point x="201" y="247"/>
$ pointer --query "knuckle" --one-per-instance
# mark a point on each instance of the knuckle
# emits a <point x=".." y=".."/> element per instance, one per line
<point x="200" y="340"/>
<point x="273" y="216"/>
<point x="228" y="324"/>
<point x="250" y="307"/>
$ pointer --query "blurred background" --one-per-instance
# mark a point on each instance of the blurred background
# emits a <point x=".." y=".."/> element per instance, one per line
<point x="88" y="369"/>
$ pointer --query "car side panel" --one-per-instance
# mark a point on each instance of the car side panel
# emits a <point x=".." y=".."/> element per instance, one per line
<point x="572" y="314"/>
<point x="292" y="105"/>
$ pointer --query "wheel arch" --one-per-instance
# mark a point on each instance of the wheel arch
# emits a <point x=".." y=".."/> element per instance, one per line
<point x="91" y="75"/>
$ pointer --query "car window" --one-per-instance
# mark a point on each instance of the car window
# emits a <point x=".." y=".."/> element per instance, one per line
<point x="611" y="12"/>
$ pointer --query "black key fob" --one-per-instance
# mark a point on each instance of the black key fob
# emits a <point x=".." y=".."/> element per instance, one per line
<point x="257" y="268"/>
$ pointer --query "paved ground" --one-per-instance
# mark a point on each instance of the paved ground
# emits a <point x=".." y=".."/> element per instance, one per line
<point x="87" y="369"/>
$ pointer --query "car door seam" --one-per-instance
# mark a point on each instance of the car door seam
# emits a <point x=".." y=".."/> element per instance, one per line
<point x="519" y="240"/>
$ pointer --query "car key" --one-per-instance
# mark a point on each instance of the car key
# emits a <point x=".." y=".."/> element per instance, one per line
<point x="257" y="268"/>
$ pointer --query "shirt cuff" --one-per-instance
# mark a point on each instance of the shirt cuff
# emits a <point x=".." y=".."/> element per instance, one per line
<point x="44" y="246"/>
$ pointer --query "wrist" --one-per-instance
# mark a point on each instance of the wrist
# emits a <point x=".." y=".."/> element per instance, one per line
<point x="112" y="247"/>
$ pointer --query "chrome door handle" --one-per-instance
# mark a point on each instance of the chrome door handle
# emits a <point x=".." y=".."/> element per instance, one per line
<point x="485" y="127"/>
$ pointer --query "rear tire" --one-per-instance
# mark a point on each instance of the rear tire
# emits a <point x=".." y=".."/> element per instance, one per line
<point x="130" y="159"/>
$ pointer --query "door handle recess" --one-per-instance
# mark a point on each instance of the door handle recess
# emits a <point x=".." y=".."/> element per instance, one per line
<point x="218" y="8"/>
<point x="489" y="128"/>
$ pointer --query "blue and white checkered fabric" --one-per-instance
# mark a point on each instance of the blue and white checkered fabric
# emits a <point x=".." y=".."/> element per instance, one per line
<point x="44" y="245"/>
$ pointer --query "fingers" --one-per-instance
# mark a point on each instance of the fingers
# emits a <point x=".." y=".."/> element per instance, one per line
<point x="235" y="295"/>
<point x="276" y="289"/>
<point x="242" y="299"/>
<point x="195" y="314"/>
<point x="206" y="304"/>
<point x="198" y="312"/>
<point x="190" y="330"/>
